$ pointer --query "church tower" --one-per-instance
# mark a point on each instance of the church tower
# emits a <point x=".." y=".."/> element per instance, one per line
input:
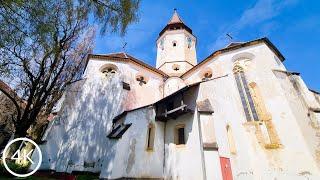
<point x="176" y="47"/>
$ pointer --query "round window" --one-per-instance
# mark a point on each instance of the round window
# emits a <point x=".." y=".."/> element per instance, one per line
<point x="109" y="70"/>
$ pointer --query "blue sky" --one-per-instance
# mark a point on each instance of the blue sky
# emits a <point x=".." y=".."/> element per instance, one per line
<point x="292" y="25"/>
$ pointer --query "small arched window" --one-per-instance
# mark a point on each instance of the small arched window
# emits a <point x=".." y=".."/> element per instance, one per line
<point x="161" y="44"/>
<point x="174" y="43"/>
<point x="189" y="41"/>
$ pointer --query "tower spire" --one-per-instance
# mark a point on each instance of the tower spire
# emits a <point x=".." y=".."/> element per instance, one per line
<point x="175" y="17"/>
<point x="176" y="52"/>
<point x="175" y="23"/>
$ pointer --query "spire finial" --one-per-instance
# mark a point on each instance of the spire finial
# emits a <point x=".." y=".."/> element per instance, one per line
<point x="175" y="9"/>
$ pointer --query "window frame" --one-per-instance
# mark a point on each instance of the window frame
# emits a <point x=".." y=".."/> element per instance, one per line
<point x="150" y="137"/>
<point x="245" y="94"/>
<point x="177" y="135"/>
<point x="109" y="70"/>
<point x="174" y="44"/>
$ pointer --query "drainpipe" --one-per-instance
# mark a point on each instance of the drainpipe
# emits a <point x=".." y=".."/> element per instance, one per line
<point x="201" y="147"/>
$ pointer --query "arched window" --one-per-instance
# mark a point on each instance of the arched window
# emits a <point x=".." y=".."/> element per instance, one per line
<point x="161" y="44"/>
<point x="245" y="95"/>
<point x="174" y="43"/>
<point x="109" y="70"/>
<point x="189" y="41"/>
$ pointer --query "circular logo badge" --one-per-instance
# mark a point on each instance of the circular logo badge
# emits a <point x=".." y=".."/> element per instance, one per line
<point x="22" y="155"/>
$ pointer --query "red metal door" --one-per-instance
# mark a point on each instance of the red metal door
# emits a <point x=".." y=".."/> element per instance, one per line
<point x="226" y="168"/>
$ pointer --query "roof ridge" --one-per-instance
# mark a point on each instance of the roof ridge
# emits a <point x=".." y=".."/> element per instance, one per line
<point x="128" y="57"/>
<point x="231" y="48"/>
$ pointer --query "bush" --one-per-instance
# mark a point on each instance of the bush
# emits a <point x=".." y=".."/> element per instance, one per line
<point x="17" y="168"/>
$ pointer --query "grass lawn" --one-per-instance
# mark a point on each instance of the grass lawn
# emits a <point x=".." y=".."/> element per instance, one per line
<point x="78" y="177"/>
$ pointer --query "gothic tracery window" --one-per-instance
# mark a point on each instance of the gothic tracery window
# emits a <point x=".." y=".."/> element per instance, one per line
<point x="109" y="71"/>
<point x="245" y="95"/>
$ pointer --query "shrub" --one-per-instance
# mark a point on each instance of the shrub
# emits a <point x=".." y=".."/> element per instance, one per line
<point x="17" y="168"/>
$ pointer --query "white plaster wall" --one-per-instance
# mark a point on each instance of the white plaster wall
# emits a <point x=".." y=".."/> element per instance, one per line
<point x="90" y="106"/>
<point x="172" y="85"/>
<point x="86" y="117"/>
<point x="211" y="157"/>
<point x="263" y="60"/>
<point x="299" y="107"/>
<point x="169" y="70"/>
<point x="253" y="161"/>
<point x="181" y="52"/>
<point x="212" y="163"/>
<point x="138" y="96"/>
<point x="183" y="161"/>
<point x="131" y="159"/>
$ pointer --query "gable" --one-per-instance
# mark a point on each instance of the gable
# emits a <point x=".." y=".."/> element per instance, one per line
<point x="234" y="47"/>
<point x="123" y="57"/>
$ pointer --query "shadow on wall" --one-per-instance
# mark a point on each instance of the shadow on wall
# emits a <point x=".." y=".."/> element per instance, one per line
<point x="88" y="110"/>
<point x="177" y="155"/>
<point x="182" y="160"/>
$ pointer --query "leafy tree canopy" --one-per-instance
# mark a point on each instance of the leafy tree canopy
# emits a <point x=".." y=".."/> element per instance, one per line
<point x="44" y="44"/>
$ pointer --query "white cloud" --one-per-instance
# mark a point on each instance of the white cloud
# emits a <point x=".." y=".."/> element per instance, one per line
<point x="261" y="12"/>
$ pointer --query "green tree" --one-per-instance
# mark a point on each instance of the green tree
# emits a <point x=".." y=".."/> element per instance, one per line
<point x="44" y="44"/>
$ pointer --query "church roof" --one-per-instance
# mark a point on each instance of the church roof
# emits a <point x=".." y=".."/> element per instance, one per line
<point x="175" y="23"/>
<point x="122" y="56"/>
<point x="171" y="96"/>
<point x="236" y="46"/>
<point x="205" y="106"/>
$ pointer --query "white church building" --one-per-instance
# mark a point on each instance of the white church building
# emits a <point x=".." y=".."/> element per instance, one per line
<point x="238" y="114"/>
